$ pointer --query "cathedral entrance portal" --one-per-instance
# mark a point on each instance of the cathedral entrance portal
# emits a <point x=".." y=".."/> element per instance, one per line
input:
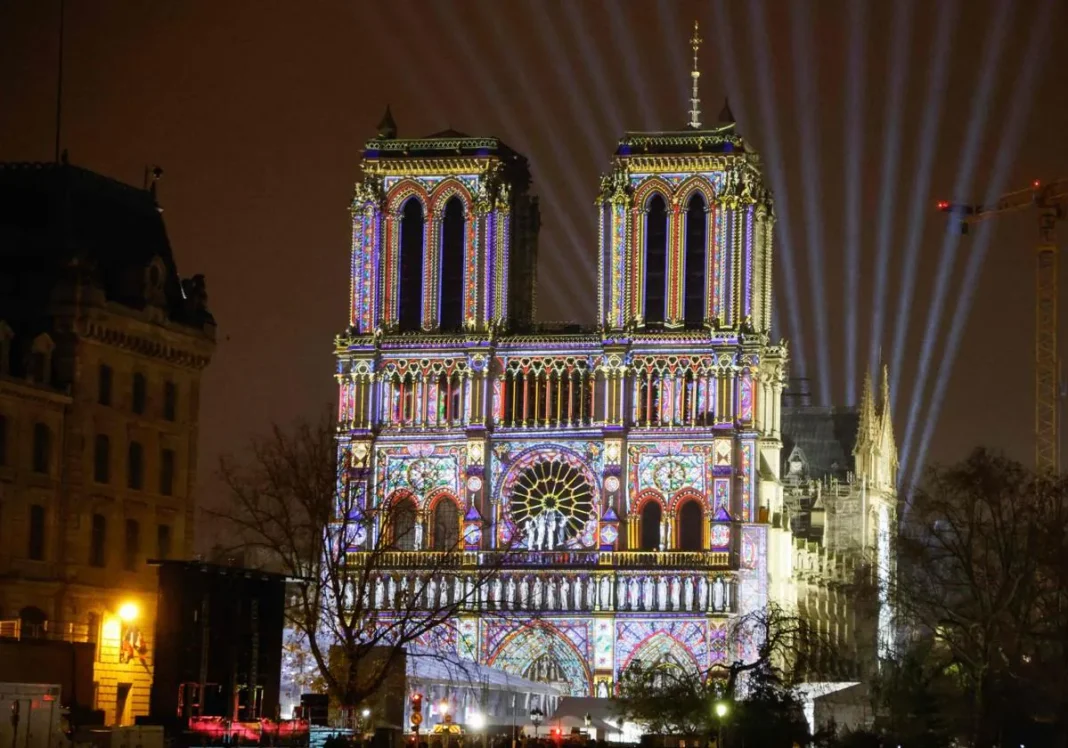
<point x="542" y="654"/>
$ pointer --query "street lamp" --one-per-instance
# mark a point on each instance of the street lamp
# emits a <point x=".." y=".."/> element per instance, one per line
<point x="536" y="716"/>
<point x="128" y="611"/>
<point x="721" y="713"/>
<point x="365" y="722"/>
<point x="478" y="724"/>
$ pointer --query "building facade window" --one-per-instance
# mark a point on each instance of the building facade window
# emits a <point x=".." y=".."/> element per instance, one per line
<point x="651" y="515"/>
<point x="166" y="472"/>
<point x="410" y="297"/>
<point x="103" y="384"/>
<point x="102" y="458"/>
<point x="42" y="448"/>
<point x="98" y="541"/>
<point x="696" y="263"/>
<point x="170" y="401"/>
<point x="451" y="290"/>
<point x="36" y="550"/>
<point x="691" y="524"/>
<point x="163" y="542"/>
<point x="133" y="544"/>
<point x="138" y="392"/>
<point x="656" y="221"/>
<point x="135" y="467"/>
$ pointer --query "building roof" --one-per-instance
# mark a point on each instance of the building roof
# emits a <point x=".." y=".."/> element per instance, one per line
<point x="56" y="218"/>
<point x="825" y="437"/>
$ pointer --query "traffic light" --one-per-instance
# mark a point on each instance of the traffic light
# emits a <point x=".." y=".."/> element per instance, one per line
<point x="417" y="703"/>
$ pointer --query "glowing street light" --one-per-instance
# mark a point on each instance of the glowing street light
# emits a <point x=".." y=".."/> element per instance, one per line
<point x="721" y="709"/>
<point x="129" y="611"/>
<point x="478" y="721"/>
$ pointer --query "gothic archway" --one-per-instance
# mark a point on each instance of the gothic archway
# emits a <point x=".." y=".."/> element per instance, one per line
<point x="541" y="653"/>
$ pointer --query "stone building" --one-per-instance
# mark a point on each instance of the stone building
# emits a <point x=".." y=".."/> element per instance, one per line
<point x="102" y="347"/>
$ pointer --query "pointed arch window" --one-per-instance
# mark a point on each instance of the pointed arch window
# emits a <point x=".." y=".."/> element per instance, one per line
<point x="451" y="291"/>
<point x="650" y="526"/>
<point x="691" y="520"/>
<point x="656" y="220"/>
<point x="696" y="262"/>
<point x="403" y="522"/>
<point x="446" y="525"/>
<point x="410" y="298"/>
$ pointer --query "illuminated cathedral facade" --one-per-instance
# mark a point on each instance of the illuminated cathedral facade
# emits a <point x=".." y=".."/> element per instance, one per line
<point x="631" y="470"/>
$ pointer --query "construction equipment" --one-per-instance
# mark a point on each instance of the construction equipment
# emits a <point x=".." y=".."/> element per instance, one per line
<point x="1049" y="201"/>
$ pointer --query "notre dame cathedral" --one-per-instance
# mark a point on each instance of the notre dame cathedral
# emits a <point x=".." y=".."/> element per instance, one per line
<point x="656" y="477"/>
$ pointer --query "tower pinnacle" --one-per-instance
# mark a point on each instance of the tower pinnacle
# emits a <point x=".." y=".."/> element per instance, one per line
<point x="695" y="74"/>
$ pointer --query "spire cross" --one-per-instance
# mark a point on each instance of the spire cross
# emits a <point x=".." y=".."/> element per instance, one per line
<point x="695" y="74"/>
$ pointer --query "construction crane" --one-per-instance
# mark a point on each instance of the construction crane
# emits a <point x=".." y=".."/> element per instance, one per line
<point x="1049" y="201"/>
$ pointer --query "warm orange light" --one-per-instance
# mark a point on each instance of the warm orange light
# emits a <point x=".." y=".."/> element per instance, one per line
<point x="1036" y="184"/>
<point x="129" y="611"/>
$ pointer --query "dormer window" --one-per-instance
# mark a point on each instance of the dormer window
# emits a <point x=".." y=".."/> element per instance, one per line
<point x="155" y="275"/>
<point x="40" y="361"/>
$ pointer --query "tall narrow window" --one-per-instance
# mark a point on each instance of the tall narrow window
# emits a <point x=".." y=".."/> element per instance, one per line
<point x="452" y="266"/>
<point x="696" y="262"/>
<point x="650" y="526"/>
<point x="410" y="301"/>
<point x="404" y="526"/>
<point x="137" y="393"/>
<point x="166" y="472"/>
<point x="691" y="520"/>
<point x="135" y="467"/>
<point x="3" y="439"/>
<point x="103" y="384"/>
<point x="37" y="532"/>
<point x="102" y="458"/>
<point x="170" y="401"/>
<point x="655" y="259"/>
<point x="446" y="525"/>
<point x="42" y="448"/>
<point x="98" y="541"/>
<point x="133" y="544"/>
<point x="163" y="542"/>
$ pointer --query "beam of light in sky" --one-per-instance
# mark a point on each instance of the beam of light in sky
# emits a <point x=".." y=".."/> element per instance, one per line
<point x="578" y="105"/>
<point x="776" y="176"/>
<point x="676" y="39"/>
<point x="591" y="60"/>
<point x="854" y="154"/>
<point x="564" y="160"/>
<point x="1020" y="105"/>
<point x="559" y="162"/>
<point x="891" y="149"/>
<point x="919" y="208"/>
<point x="994" y="45"/>
<point x="627" y="50"/>
<point x="806" y="102"/>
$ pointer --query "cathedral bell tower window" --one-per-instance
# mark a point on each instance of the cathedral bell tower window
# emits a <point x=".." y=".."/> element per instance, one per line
<point x="451" y="293"/>
<point x="696" y="262"/>
<point x="656" y="223"/>
<point x="410" y="277"/>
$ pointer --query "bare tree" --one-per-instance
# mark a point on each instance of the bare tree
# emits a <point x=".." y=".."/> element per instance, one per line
<point x="982" y="575"/>
<point x="671" y="697"/>
<point x="359" y="601"/>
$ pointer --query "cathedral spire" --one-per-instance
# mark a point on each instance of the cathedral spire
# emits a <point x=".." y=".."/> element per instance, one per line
<point x="695" y="75"/>
<point x="867" y="428"/>
<point x="387" y="128"/>
<point x="887" y="443"/>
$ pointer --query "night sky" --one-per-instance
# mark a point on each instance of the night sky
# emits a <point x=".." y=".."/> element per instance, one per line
<point x="257" y="112"/>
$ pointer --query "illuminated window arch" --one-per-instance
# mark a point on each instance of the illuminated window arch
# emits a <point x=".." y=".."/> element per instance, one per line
<point x="696" y="262"/>
<point x="649" y="525"/>
<point x="690" y="521"/>
<point x="410" y="277"/>
<point x="446" y="519"/>
<point x="451" y="288"/>
<point x="656" y="231"/>
<point x="401" y="522"/>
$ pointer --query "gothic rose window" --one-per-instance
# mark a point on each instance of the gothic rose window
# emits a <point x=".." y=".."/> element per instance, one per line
<point x="551" y="503"/>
